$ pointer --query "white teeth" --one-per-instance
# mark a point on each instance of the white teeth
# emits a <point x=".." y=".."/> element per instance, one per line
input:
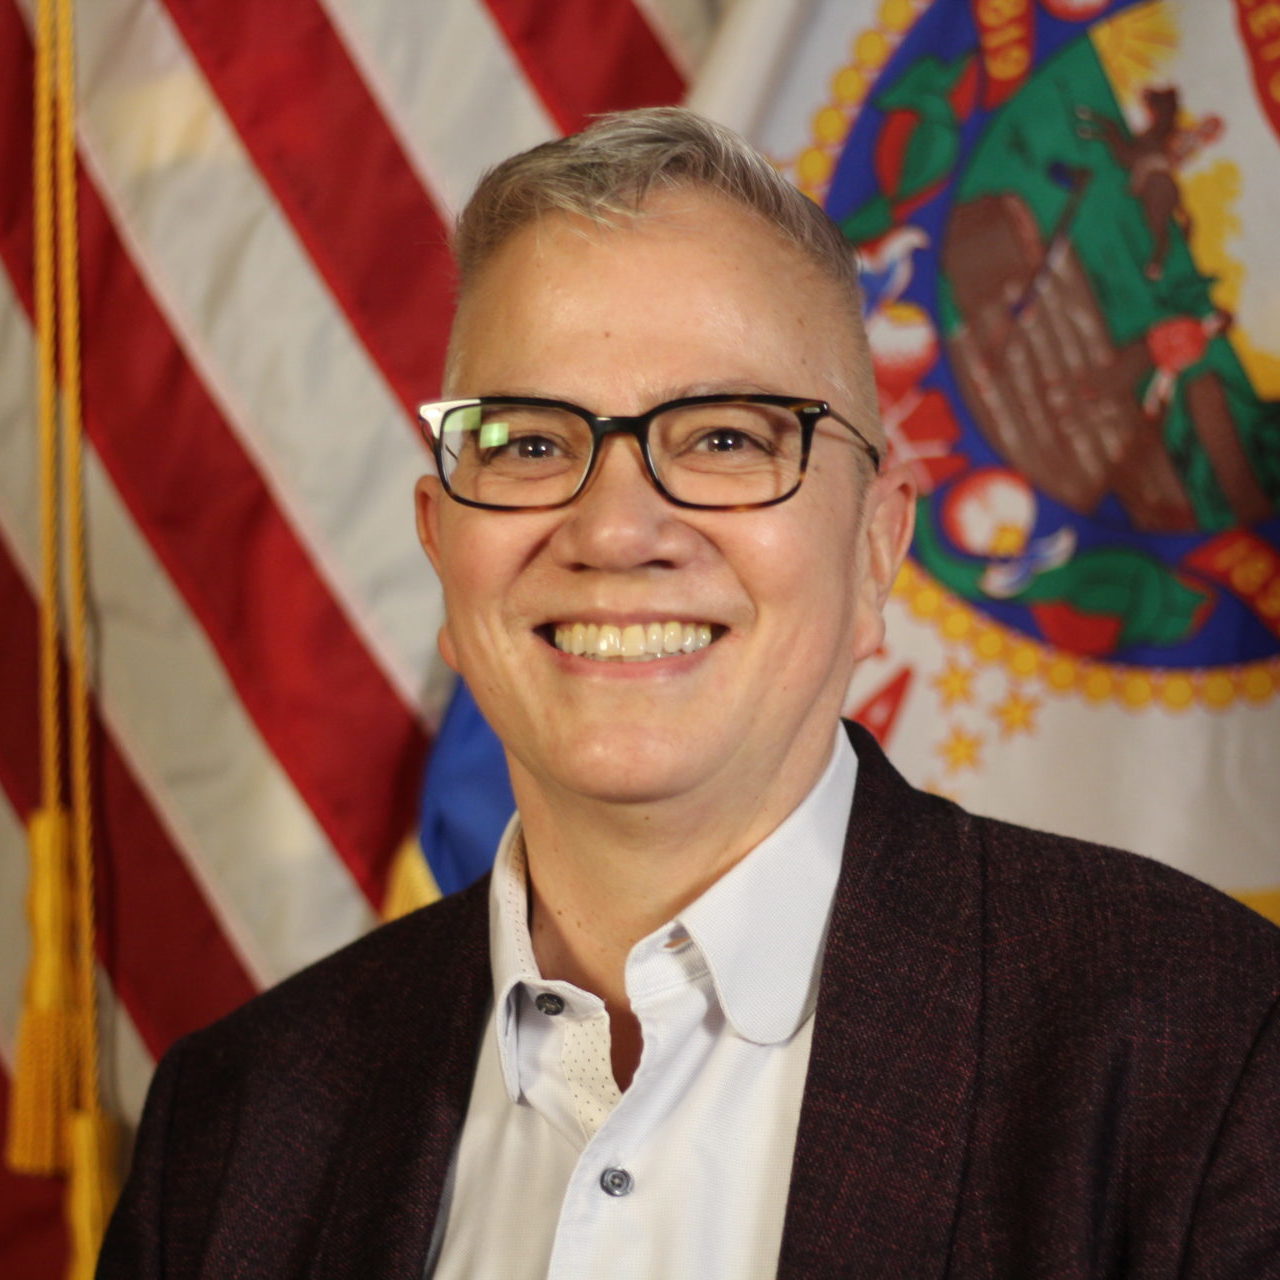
<point x="636" y="642"/>
<point x="633" y="638"/>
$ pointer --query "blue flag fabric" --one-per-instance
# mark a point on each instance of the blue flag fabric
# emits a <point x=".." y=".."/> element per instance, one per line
<point x="467" y="798"/>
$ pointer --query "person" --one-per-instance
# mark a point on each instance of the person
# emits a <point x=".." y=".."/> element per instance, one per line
<point x="737" y="1001"/>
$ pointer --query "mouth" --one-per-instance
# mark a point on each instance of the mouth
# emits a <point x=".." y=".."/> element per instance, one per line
<point x="634" y="642"/>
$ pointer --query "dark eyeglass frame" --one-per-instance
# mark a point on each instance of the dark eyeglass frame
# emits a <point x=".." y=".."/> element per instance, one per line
<point x="808" y="412"/>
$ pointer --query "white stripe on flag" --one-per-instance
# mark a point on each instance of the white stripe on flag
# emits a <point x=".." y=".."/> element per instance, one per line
<point x="450" y="87"/>
<point x="167" y="701"/>
<point x="214" y="248"/>
<point x="750" y="52"/>
<point x="684" y="28"/>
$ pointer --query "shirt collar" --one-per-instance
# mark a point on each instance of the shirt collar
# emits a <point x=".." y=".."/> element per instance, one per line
<point x="760" y="928"/>
<point x="762" y="925"/>
<point x="510" y="947"/>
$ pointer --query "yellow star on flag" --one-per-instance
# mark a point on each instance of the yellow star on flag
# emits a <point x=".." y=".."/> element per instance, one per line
<point x="954" y="683"/>
<point x="961" y="750"/>
<point x="1017" y="713"/>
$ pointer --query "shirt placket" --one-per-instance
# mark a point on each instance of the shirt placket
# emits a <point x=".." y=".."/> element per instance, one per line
<point x="605" y="1202"/>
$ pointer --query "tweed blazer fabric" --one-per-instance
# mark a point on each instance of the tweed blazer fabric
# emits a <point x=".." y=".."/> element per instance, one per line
<point x="1032" y="1058"/>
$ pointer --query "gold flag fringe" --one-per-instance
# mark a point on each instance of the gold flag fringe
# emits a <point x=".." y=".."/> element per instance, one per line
<point x="44" y="1077"/>
<point x="93" y="1188"/>
<point x="56" y="1122"/>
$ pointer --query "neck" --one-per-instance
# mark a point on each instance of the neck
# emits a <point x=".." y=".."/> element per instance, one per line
<point x="604" y="874"/>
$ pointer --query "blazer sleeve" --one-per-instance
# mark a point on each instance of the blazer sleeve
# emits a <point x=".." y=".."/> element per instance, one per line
<point x="1235" y="1230"/>
<point x="133" y="1248"/>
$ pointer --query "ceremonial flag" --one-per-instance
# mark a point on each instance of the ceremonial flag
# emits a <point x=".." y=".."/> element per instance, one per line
<point x="265" y="191"/>
<point x="1066" y="212"/>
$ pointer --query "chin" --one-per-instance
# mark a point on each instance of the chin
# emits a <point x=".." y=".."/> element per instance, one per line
<point x="621" y="765"/>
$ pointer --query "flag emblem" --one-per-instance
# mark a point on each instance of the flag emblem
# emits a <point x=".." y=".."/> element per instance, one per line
<point x="1067" y="349"/>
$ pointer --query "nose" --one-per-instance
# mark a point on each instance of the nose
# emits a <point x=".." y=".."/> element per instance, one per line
<point x="620" y="521"/>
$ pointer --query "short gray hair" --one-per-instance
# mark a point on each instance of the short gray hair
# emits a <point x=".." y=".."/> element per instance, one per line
<point x="606" y="173"/>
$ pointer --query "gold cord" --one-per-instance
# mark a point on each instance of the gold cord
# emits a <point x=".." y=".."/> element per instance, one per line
<point x="57" y="1123"/>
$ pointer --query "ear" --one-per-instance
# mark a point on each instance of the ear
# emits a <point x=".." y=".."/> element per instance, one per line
<point x="428" y="499"/>
<point x="886" y="536"/>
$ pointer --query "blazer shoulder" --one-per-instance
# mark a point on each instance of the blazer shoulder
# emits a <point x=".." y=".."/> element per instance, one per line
<point x="255" y="1127"/>
<point x="355" y="995"/>
<point x="1041" y="895"/>
<point x="1102" y="911"/>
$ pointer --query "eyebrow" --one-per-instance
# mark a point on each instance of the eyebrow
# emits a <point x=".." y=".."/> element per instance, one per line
<point x="731" y="387"/>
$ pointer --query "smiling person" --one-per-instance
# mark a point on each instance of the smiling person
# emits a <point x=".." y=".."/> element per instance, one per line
<point x="736" y="1000"/>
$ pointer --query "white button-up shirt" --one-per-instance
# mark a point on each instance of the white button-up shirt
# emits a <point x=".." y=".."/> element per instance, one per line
<point x="557" y="1174"/>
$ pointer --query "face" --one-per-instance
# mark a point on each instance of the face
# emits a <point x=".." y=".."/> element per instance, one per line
<point x="695" y="296"/>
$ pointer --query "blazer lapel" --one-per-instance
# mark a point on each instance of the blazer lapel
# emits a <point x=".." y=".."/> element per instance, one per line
<point x="889" y="1095"/>
<point x="388" y="1180"/>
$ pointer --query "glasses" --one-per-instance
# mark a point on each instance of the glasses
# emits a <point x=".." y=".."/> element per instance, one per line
<point x="717" y="453"/>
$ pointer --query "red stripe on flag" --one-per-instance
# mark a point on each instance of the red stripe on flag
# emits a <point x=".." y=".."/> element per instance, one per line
<point x="321" y="702"/>
<point x="338" y="171"/>
<point x="584" y="57"/>
<point x="33" y="1233"/>
<point x="166" y="954"/>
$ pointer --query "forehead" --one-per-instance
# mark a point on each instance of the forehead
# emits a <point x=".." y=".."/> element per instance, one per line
<point x="692" y="277"/>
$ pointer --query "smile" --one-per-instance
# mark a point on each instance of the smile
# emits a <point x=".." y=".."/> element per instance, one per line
<point x="636" y="642"/>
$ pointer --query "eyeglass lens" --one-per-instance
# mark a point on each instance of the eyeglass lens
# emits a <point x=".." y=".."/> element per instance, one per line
<point x="724" y="454"/>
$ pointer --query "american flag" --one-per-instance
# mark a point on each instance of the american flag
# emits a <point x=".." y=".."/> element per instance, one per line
<point x="265" y="190"/>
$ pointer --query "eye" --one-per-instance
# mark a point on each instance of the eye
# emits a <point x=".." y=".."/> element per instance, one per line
<point x="533" y="447"/>
<point x="511" y="435"/>
<point x="525" y="443"/>
<point x="530" y="447"/>
<point x="724" y="434"/>
<point x="727" y="440"/>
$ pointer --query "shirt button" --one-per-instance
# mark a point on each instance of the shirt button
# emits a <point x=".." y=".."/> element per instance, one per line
<point x="549" y="1004"/>
<point x="617" y="1182"/>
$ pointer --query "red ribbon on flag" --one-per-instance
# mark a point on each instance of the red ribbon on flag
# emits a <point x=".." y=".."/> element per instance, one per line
<point x="1248" y="567"/>
<point x="1006" y="29"/>
<point x="1259" y="22"/>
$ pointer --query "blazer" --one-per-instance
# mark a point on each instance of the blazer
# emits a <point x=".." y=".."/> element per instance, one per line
<point x="1032" y="1058"/>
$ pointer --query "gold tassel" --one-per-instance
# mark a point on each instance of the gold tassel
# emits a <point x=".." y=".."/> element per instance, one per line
<point x="43" y="1087"/>
<point x="93" y="1188"/>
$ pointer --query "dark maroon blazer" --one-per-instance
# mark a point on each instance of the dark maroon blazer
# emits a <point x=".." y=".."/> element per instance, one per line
<point x="1032" y="1058"/>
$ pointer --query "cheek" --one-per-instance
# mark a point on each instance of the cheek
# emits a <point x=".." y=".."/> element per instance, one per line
<point x="483" y="570"/>
<point x="828" y="544"/>
<point x="809" y="578"/>
<point x="461" y="558"/>
<point x="829" y="587"/>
